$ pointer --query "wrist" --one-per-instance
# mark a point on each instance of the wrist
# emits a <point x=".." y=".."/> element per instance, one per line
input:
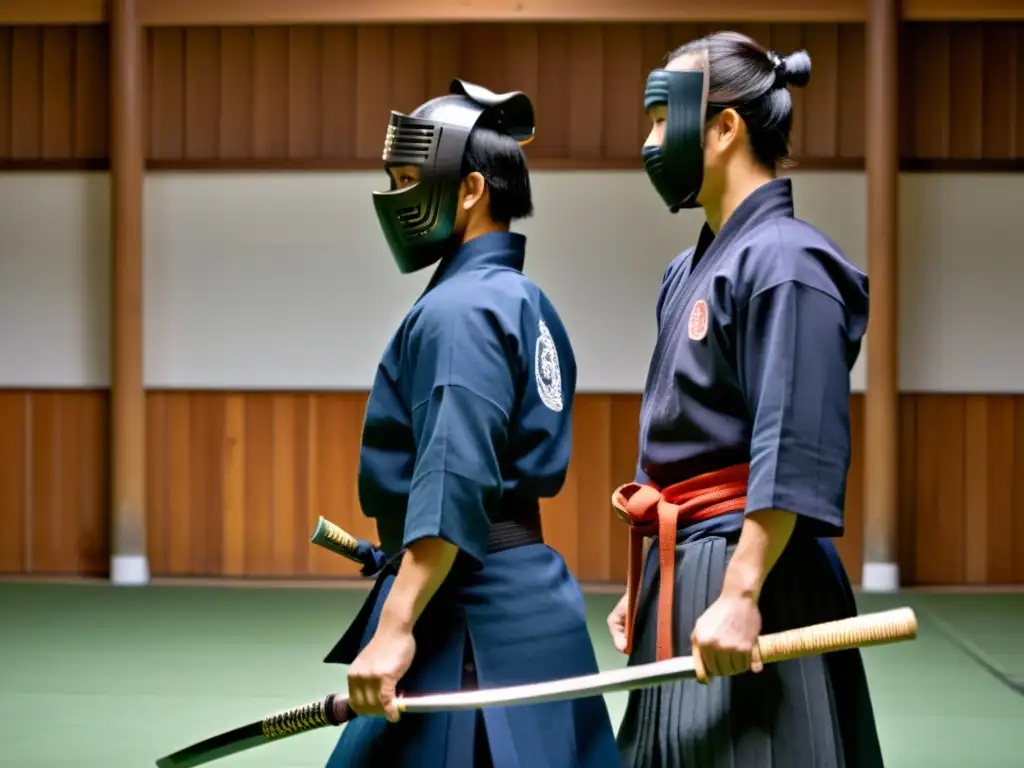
<point x="396" y="617"/>
<point x="742" y="580"/>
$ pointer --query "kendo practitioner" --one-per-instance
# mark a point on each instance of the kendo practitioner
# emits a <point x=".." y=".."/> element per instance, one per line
<point x="467" y="426"/>
<point x="744" y="438"/>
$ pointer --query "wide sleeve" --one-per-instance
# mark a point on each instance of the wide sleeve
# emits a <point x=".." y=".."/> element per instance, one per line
<point x="463" y="389"/>
<point x="793" y="372"/>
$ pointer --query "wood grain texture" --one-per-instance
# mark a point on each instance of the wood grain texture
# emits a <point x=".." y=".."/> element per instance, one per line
<point x="317" y="97"/>
<point x="236" y="482"/>
<point x="54" y="486"/>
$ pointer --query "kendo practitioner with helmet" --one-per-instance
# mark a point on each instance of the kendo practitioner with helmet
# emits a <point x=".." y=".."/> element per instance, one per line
<point x="467" y="426"/>
<point x="744" y="438"/>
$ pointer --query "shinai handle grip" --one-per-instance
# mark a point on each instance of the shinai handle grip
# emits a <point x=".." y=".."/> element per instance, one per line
<point x="332" y="710"/>
<point x="336" y="539"/>
<point x="857" y="632"/>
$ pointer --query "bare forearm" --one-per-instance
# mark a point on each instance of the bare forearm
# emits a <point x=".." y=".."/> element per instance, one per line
<point x="424" y="567"/>
<point x="763" y="538"/>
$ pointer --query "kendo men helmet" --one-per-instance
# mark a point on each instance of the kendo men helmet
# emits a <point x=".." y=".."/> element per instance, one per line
<point x="419" y="220"/>
<point x="676" y="168"/>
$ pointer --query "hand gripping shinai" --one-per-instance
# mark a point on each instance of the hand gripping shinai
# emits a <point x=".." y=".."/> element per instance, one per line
<point x="858" y="632"/>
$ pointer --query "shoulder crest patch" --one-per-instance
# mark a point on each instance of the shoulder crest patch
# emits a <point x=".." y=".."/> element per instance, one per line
<point x="547" y="370"/>
<point x="699" y="320"/>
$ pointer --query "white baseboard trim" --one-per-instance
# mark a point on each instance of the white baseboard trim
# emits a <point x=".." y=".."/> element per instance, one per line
<point x="880" y="577"/>
<point x="129" y="570"/>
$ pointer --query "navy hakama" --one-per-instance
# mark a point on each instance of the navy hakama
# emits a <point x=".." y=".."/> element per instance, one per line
<point x="758" y="328"/>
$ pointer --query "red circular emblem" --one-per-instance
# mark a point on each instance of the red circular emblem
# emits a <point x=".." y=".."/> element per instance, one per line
<point x="699" y="320"/>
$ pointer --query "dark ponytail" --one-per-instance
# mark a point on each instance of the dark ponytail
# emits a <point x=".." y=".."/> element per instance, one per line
<point x="754" y="82"/>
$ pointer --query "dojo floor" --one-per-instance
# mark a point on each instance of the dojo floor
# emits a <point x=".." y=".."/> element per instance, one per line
<point x="95" y="677"/>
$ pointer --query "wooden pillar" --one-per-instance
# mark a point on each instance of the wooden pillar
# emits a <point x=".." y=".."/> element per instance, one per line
<point x="881" y="449"/>
<point x="129" y="563"/>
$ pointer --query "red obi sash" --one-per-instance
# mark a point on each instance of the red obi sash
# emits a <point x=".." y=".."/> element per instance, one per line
<point x="650" y="510"/>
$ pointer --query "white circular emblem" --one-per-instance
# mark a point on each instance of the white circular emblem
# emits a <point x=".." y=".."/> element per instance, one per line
<point x="549" y="375"/>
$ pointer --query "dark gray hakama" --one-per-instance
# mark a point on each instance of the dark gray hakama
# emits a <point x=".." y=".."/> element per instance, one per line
<point x="804" y="713"/>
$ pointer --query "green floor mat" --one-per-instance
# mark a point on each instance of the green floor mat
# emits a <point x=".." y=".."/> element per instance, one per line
<point x="987" y="627"/>
<point x="97" y="677"/>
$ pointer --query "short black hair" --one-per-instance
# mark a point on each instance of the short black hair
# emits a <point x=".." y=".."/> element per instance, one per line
<point x="501" y="161"/>
<point x="752" y="80"/>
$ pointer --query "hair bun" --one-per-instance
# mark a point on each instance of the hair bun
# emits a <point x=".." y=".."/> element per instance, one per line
<point x="796" y="69"/>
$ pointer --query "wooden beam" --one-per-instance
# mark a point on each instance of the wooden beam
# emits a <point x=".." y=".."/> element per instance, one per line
<point x="247" y="12"/>
<point x="36" y="12"/>
<point x="129" y="563"/>
<point x="881" y="402"/>
<point x="963" y="10"/>
<point x="259" y="12"/>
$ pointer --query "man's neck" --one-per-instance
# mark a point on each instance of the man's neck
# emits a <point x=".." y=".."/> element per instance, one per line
<point x="737" y="189"/>
<point x="477" y="229"/>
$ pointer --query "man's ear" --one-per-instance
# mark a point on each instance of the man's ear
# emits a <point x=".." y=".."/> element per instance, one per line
<point x="728" y="128"/>
<point x="474" y="188"/>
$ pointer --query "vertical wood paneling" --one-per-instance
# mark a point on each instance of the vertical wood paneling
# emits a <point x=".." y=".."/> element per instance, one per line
<point x="6" y="75"/>
<point x="821" y="101"/>
<point x="482" y="60"/>
<point x="91" y="94"/>
<point x="14" y="498"/>
<point x="928" y="60"/>
<point x="323" y="93"/>
<point x="236" y="93"/>
<point x="304" y="90"/>
<point x="272" y="463"/>
<point x="999" y="91"/>
<point x="587" y="91"/>
<point x="373" y="89"/>
<point x="408" y="75"/>
<point x="53" y="483"/>
<point x="976" y="499"/>
<point x="1018" y="493"/>
<point x="553" y="93"/>
<point x="338" y="92"/>
<point x="58" y="92"/>
<point x="851" y="93"/>
<point x="202" y="93"/>
<point x="166" y="93"/>
<point x="908" y="518"/>
<point x="521" y="43"/>
<point x="966" y="85"/>
<point x="26" y="92"/>
<point x="270" y="93"/>
<point x="623" y="73"/>
<point x="445" y="60"/>
<point x="236" y="482"/>
<point x="1001" y="473"/>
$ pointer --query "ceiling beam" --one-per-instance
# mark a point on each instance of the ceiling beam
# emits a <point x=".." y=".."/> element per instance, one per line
<point x="251" y="12"/>
<point x="185" y="13"/>
<point x="35" y="12"/>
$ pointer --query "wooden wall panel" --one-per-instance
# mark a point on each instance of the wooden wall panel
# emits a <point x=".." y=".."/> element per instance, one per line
<point x="236" y="482"/>
<point x="53" y="94"/>
<point x="318" y="96"/>
<point x="53" y="482"/>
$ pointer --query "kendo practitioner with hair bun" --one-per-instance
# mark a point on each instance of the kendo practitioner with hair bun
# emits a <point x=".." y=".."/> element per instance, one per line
<point x="468" y="425"/>
<point x="744" y="438"/>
